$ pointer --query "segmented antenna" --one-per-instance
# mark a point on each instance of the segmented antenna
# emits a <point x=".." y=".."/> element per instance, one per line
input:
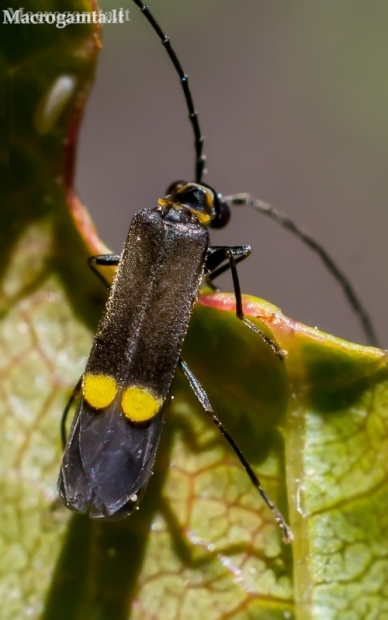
<point x="259" y="205"/>
<point x="184" y="80"/>
<point x="331" y="266"/>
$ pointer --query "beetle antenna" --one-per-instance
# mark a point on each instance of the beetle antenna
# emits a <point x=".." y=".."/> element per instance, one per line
<point x="331" y="266"/>
<point x="200" y="159"/>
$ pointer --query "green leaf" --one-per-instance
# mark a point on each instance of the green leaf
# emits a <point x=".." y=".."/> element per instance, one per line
<point x="336" y="443"/>
<point x="202" y="544"/>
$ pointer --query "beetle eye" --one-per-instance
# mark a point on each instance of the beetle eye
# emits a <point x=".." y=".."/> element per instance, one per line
<point x="222" y="216"/>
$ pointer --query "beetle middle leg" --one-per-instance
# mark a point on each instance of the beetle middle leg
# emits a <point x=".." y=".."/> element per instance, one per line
<point x="103" y="260"/>
<point x="74" y="395"/>
<point x="222" y="258"/>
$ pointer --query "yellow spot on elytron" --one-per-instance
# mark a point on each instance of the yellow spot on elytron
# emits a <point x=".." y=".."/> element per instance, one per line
<point x="139" y="404"/>
<point x="99" y="390"/>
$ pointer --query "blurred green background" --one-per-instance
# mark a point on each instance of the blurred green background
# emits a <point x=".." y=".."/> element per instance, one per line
<point x="293" y="103"/>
